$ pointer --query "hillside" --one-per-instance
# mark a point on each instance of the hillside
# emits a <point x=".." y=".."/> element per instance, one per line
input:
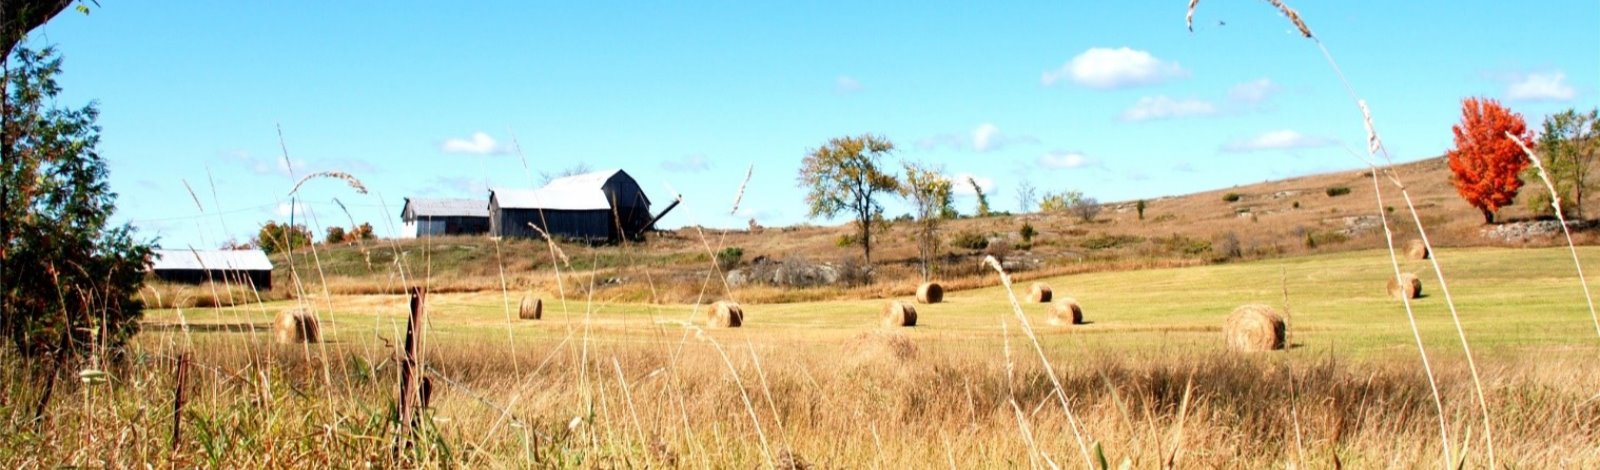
<point x="1271" y="219"/>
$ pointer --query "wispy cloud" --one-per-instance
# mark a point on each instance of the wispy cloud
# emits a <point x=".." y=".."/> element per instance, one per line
<point x="687" y="164"/>
<point x="1163" y="107"/>
<point x="846" y="84"/>
<point x="479" y="143"/>
<point x="1106" y="68"/>
<point x="1065" y="159"/>
<point x="1541" y="87"/>
<point x="983" y="138"/>
<point x="1284" y="139"/>
<point x="1254" y="92"/>
<point x="266" y="166"/>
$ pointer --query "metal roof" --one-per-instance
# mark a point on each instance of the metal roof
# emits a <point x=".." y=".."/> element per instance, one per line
<point x="583" y="192"/>
<point x="445" y="208"/>
<point x="215" y="260"/>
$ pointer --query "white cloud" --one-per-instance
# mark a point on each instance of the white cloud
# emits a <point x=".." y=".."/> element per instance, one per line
<point x="688" y="164"/>
<point x="479" y="144"/>
<point x="1277" y="140"/>
<point x="1542" y="87"/>
<point x="1163" y="107"/>
<point x="960" y="186"/>
<point x="1106" y="68"/>
<point x="1064" y="160"/>
<point x="1254" y="91"/>
<point x="846" y="84"/>
<point x="983" y="137"/>
<point x="284" y="209"/>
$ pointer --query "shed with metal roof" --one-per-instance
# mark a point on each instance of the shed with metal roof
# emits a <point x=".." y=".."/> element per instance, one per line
<point x="242" y="267"/>
<point x="434" y="217"/>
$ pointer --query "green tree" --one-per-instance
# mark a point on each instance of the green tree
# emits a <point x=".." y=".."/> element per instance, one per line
<point x="930" y="192"/>
<point x="1140" y="206"/>
<point x="1567" y="147"/>
<point x="276" y="238"/>
<point x="335" y="235"/>
<point x="70" y="277"/>
<point x="983" y="200"/>
<point x="844" y="176"/>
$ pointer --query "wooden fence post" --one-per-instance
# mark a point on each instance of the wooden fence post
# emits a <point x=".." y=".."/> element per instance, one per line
<point x="179" y="398"/>
<point x="411" y="369"/>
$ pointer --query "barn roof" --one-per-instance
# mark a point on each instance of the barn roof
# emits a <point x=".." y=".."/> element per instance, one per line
<point x="574" y="193"/>
<point x="215" y="260"/>
<point x="420" y="207"/>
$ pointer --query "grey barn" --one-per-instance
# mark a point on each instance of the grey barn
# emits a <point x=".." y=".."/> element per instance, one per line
<point x="435" y="217"/>
<point x="240" y="267"/>
<point x="600" y="207"/>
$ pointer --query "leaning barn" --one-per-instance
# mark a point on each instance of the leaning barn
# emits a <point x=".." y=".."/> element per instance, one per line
<point x="604" y="206"/>
<point x="243" y="267"/>
<point x="435" y="217"/>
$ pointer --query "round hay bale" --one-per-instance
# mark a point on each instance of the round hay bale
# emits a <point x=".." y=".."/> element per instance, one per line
<point x="1416" y="249"/>
<point x="1254" y="328"/>
<point x="725" y="314"/>
<point x="1406" y="287"/>
<point x="930" y="293"/>
<point x="1065" y="312"/>
<point x="1039" y="293"/>
<point x="897" y="314"/>
<point x="532" y="308"/>
<point x="295" y="326"/>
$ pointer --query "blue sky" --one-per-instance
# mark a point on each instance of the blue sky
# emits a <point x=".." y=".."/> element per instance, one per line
<point x="1116" y="99"/>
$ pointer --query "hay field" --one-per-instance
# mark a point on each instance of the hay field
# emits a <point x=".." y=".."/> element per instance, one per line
<point x="598" y="384"/>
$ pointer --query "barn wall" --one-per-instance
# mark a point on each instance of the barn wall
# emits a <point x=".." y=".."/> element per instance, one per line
<point x="261" y="279"/>
<point x="579" y="225"/>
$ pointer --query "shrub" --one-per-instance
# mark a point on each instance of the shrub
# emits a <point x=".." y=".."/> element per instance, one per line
<point x="970" y="241"/>
<point x="1337" y="191"/>
<point x="1185" y="245"/>
<point x="1227" y="247"/>
<point x="729" y="257"/>
<point x="1232" y="197"/>
<point x="845" y="241"/>
<point x="1109" y="241"/>
<point x="1027" y="232"/>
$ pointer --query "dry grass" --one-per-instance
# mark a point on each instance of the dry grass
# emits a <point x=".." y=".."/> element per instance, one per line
<point x="266" y="406"/>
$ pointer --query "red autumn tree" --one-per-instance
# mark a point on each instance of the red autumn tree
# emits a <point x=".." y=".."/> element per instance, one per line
<point x="1485" y="163"/>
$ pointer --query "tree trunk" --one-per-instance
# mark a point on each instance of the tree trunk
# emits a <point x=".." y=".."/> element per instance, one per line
<point x="866" y="240"/>
<point x="1488" y="216"/>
